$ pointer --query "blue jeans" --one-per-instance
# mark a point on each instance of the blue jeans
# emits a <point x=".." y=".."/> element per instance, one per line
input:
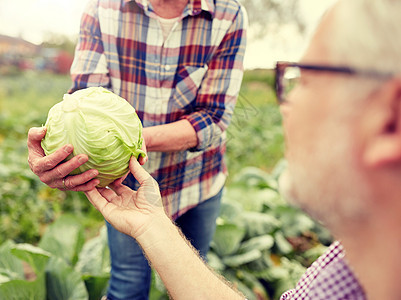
<point x="130" y="271"/>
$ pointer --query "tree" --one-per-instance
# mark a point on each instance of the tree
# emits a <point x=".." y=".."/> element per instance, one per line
<point x="270" y="15"/>
<point x="59" y="41"/>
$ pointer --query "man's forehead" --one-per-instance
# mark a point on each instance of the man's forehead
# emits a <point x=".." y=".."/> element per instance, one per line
<point x="319" y="50"/>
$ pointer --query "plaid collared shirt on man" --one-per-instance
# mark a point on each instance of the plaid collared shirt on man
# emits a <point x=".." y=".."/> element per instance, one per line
<point x="328" y="278"/>
<point x="194" y="74"/>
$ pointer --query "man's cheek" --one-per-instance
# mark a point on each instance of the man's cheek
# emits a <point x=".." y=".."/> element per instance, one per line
<point x="286" y="187"/>
<point x="287" y="136"/>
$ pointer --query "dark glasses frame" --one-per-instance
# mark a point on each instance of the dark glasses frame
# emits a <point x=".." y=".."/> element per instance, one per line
<point x="282" y="65"/>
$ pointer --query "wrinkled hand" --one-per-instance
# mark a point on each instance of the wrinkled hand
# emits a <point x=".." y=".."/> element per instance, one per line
<point x="52" y="170"/>
<point x="130" y="212"/>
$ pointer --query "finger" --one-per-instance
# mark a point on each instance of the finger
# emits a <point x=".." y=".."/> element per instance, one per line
<point x="97" y="200"/>
<point x="40" y="164"/>
<point x="80" y="179"/>
<point x="35" y="136"/>
<point x="121" y="179"/>
<point x="35" y="151"/>
<point x="90" y="185"/>
<point x="120" y="189"/>
<point x="142" y="159"/>
<point x="108" y="194"/>
<point x="54" y="171"/>
<point x="138" y="171"/>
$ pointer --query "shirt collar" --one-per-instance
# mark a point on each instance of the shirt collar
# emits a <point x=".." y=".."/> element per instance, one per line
<point x="199" y="5"/>
<point x="193" y="8"/>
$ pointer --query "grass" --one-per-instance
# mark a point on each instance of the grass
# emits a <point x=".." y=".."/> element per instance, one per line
<point x="31" y="93"/>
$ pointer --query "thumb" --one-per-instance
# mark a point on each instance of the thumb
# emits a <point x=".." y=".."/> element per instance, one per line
<point x="35" y="136"/>
<point x="37" y="133"/>
<point x="138" y="171"/>
<point x="149" y="185"/>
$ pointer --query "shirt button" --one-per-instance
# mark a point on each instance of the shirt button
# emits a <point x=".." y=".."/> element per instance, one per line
<point x="167" y="68"/>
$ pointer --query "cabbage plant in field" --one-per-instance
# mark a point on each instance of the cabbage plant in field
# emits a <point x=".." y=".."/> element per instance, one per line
<point x="100" y="124"/>
<point x="62" y="266"/>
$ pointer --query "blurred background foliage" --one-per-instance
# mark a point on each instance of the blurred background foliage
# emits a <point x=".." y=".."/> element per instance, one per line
<point x="262" y="244"/>
<point x="271" y="15"/>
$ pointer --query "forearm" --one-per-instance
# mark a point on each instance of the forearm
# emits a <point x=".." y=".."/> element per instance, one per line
<point x="176" y="136"/>
<point x="184" y="274"/>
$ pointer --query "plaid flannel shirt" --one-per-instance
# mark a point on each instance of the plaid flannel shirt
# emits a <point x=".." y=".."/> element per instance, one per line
<point x="195" y="74"/>
<point x="328" y="278"/>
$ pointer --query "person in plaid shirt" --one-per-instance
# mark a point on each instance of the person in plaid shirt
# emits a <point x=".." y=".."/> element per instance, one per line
<point x="341" y="108"/>
<point x="180" y="65"/>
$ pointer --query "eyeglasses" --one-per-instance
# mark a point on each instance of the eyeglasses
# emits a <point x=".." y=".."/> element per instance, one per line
<point x="288" y="74"/>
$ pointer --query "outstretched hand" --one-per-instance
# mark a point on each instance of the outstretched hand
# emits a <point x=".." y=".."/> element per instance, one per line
<point x="130" y="212"/>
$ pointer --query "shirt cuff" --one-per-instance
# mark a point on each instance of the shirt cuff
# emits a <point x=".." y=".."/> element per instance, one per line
<point x="205" y="128"/>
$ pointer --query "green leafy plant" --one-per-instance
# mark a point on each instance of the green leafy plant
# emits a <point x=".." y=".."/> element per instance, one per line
<point x="62" y="266"/>
<point x="262" y="244"/>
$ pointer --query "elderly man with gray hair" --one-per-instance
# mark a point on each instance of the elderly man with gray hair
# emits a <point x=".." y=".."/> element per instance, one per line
<point x="341" y="107"/>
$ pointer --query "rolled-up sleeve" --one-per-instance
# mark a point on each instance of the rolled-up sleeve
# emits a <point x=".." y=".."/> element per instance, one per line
<point x="89" y="67"/>
<point x="217" y="95"/>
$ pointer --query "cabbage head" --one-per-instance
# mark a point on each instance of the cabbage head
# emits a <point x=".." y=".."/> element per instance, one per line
<point x="100" y="124"/>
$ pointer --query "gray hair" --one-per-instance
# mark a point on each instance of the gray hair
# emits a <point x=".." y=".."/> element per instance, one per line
<point x="367" y="34"/>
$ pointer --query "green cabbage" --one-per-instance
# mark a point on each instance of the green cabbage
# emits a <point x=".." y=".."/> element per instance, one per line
<point x="100" y="124"/>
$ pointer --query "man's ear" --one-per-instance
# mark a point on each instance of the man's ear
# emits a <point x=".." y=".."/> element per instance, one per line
<point x="383" y="119"/>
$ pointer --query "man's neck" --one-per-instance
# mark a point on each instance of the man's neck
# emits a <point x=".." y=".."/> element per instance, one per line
<point x="374" y="255"/>
<point x="169" y="8"/>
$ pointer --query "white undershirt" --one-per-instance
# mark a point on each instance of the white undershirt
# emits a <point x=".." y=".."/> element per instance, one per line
<point x="167" y="25"/>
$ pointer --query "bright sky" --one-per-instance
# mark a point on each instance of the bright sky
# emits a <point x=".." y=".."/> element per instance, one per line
<point x="32" y="19"/>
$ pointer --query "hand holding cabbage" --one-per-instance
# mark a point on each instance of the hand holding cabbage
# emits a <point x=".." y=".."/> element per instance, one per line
<point x="92" y="129"/>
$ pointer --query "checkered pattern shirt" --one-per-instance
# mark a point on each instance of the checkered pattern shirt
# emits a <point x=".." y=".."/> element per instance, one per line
<point x="328" y="278"/>
<point x="193" y="74"/>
